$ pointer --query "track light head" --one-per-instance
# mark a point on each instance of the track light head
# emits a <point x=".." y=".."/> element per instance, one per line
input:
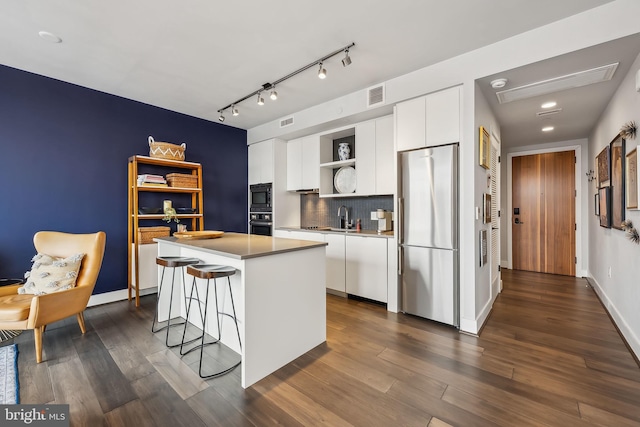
<point x="346" y="61"/>
<point x="234" y="111"/>
<point x="221" y="117"/>
<point x="260" y="99"/>
<point x="322" y="73"/>
<point x="274" y="95"/>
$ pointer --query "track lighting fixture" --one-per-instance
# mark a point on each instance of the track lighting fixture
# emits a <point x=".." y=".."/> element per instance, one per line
<point x="346" y="61"/>
<point x="322" y="73"/>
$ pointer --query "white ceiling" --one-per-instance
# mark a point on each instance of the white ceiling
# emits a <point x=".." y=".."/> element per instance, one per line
<point x="197" y="56"/>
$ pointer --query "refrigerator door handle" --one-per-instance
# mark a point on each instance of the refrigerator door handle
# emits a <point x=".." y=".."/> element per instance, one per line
<point x="401" y="220"/>
<point x="400" y="260"/>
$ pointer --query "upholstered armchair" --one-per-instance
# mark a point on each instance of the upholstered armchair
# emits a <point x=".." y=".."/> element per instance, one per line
<point x="26" y="311"/>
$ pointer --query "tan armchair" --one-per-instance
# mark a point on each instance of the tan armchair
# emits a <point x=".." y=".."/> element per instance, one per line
<point x="35" y="312"/>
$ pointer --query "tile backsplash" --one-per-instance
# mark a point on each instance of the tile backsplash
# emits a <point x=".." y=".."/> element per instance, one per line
<point x="316" y="211"/>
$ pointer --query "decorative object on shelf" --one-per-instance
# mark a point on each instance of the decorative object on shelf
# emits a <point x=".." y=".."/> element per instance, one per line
<point x="485" y="148"/>
<point x="169" y="212"/>
<point x="182" y="228"/>
<point x="183" y="180"/>
<point x="631" y="232"/>
<point x="628" y="130"/>
<point x="147" y="234"/>
<point x="617" y="149"/>
<point x="590" y="175"/>
<point x="344" y="151"/>
<point x="345" y="180"/>
<point x="631" y="184"/>
<point x="166" y="150"/>
<point x="322" y="73"/>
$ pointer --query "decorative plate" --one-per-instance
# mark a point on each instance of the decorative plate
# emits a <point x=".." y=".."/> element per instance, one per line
<point x="345" y="180"/>
<point x="193" y="235"/>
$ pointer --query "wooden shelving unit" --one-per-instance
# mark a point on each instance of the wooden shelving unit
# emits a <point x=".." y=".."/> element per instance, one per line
<point x="135" y="218"/>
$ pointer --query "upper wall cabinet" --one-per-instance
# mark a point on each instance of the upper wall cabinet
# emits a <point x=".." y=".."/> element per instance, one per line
<point x="374" y="165"/>
<point x="261" y="162"/>
<point x="429" y="120"/>
<point x="303" y="161"/>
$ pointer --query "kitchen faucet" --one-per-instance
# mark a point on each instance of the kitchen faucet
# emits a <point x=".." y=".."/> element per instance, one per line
<point x="346" y="216"/>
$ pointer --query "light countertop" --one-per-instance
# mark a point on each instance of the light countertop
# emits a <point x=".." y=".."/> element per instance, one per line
<point x="369" y="233"/>
<point x="243" y="246"/>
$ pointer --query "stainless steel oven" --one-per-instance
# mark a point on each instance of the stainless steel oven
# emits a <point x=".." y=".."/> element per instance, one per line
<point x="260" y="198"/>
<point x="261" y="223"/>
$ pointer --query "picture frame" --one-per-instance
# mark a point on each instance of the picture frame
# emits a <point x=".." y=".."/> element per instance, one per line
<point x="596" y="204"/>
<point x="485" y="148"/>
<point x="617" y="180"/>
<point x="604" y="203"/>
<point x="631" y="184"/>
<point x="602" y="167"/>
<point x="487" y="208"/>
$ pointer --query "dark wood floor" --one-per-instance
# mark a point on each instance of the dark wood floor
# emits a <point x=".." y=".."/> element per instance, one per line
<point x="548" y="355"/>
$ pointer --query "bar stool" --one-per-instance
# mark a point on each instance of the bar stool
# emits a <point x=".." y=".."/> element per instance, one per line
<point x="173" y="262"/>
<point x="210" y="271"/>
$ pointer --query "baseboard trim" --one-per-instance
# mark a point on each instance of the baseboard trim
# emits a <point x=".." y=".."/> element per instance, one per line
<point x="113" y="296"/>
<point x="626" y="333"/>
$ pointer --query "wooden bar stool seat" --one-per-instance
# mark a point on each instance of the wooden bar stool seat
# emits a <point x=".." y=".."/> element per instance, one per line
<point x="208" y="272"/>
<point x="173" y="262"/>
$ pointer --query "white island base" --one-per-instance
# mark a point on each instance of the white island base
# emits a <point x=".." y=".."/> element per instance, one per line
<point x="278" y="290"/>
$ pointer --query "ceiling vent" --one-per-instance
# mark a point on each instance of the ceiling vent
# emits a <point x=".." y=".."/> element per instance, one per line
<point x="557" y="84"/>
<point x="286" y="122"/>
<point x="548" y="112"/>
<point x="375" y="96"/>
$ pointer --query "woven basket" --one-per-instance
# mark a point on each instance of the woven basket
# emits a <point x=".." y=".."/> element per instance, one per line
<point x="182" y="180"/>
<point x="147" y="234"/>
<point x="166" y="150"/>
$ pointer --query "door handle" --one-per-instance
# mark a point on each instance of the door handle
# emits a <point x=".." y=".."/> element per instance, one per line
<point x="517" y="221"/>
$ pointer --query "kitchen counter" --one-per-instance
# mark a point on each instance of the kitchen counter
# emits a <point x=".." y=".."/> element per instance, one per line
<point x="242" y="246"/>
<point x="351" y="232"/>
<point x="278" y="291"/>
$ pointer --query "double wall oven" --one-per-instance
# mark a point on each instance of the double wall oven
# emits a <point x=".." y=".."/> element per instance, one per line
<point x="260" y="210"/>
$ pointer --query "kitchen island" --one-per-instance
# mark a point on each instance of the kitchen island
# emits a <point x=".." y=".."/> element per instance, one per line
<point x="278" y="290"/>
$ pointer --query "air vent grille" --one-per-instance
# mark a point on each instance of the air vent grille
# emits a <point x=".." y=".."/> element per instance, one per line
<point x="286" y="122"/>
<point x="548" y="113"/>
<point x="557" y="84"/>
<point x="375" y="96"/>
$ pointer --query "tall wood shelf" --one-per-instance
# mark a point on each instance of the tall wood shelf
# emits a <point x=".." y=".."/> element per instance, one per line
<point x="135" y="218"/>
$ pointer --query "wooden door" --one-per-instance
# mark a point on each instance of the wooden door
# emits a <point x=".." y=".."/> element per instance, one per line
<point x="544" y="213"/>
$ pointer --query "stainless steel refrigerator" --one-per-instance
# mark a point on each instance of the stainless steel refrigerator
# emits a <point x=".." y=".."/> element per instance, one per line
<point x="429" y="234"/>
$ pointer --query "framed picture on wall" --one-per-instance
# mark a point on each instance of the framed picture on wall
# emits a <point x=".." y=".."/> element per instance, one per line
<point x="485" y="148"/>
<point x="597" y="204"/>
<point x="602" y="162"/>
<point x="631" y="184"/>
<point x="487" y="208"/>
<point x="617" y="182"/>
<point x="605" y="203"/>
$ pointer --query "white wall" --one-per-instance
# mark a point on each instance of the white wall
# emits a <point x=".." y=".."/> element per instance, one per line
<point x="620" y="293"/>
<point x="592" y="27"/>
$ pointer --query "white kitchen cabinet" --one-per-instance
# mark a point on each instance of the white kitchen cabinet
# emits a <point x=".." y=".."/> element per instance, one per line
<point x="335" y="262"/>
<point x="374" y="165"/>
<point x="366" y="267"/>
<point x="261" y="162"/>
<point x="429" y="120"/>
<point x="303" y="163"/>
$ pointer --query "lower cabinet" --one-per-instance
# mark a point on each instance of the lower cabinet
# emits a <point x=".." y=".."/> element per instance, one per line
<point x="356" y="265"/>
<point x="366" y="267"/>
<point x="335" y="262"/>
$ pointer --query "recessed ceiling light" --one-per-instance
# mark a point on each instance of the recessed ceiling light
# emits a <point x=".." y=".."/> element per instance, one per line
<point x="549" y="104"/>
<point x="547" y="129"/>
<point x="50" y="37"/>
<point x="498" y="83"/>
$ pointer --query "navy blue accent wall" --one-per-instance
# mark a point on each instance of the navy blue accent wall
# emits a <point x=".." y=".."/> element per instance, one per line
<point x="64" y="152"/>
